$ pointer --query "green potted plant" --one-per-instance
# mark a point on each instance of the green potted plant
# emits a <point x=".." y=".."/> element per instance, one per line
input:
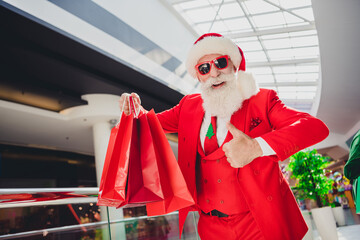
<point x="308" y="167"/>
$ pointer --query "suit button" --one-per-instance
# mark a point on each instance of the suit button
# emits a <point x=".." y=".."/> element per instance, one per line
<point x="218" y="161"/>
<point x="269" y="198"/>
<point x="256" y="172"/>
<point x="219" y="180"/>
<point x="204" y="161"/>
<point x="207" y="200"/>
<point x="222" y="201"/>
<point x="205" y="181"/>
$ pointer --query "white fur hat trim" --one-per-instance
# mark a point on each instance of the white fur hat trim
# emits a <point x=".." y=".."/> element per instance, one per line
<point x="212" y="45"/>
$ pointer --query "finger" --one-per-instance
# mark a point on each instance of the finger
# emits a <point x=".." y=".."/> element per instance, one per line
<point x="124" y="103"/>
<point x="232" y="129"/>
<point x="236" y="132"/>
<point x="136" y="101"/>
<point x="225" y="148"/>
<point x="125" y="95"/>
<point x="235" y="165"/>
<point x="124" y="98"/>
<point x="136" y="97"/>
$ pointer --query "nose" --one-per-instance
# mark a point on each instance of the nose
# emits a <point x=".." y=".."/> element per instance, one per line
<point x="214" y="72"/>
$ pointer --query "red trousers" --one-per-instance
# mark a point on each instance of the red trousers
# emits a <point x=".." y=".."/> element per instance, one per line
<point x="235" y="227"/>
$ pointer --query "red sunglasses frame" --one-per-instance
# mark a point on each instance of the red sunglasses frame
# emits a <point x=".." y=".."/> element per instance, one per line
<point x="211" y="63"/>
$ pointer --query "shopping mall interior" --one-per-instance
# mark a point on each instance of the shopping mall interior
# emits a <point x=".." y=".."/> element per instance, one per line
<point x="66" y="63"/>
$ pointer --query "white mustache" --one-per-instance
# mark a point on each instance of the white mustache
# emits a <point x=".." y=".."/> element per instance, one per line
<point x="214" y="81"/>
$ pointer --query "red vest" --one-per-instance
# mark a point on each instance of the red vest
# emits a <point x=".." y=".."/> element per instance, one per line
<point x="217" y="185"/>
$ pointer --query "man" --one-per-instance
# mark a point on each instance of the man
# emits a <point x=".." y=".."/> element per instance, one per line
<point x="352" y="169"/>
<point x="231" y="137"/>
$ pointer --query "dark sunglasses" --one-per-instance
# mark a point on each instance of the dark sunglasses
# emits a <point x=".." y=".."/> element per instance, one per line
<point x="205" y="67"/>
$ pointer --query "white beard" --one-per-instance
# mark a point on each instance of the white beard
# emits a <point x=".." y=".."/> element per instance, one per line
<point x="224" y="101"/>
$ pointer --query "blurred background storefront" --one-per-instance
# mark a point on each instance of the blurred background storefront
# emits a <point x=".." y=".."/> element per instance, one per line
<point x="64" y="65"/>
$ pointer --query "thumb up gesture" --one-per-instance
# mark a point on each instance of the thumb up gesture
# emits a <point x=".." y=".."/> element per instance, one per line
<point x="242" y="149"/>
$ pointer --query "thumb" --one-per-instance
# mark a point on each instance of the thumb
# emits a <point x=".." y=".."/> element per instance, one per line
<point x="233" y="130"/>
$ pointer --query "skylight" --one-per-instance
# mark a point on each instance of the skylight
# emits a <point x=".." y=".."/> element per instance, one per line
<point x="278" y="38"/>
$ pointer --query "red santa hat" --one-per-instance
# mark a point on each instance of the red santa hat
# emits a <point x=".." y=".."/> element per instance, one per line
<point x="214" y="43"/>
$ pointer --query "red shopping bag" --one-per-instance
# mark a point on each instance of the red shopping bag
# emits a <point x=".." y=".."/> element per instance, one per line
<point x="143" y="183"/>
<point x="130" y="157"/>
<point x="176" y="193"/>
<point x="115" y="171"/>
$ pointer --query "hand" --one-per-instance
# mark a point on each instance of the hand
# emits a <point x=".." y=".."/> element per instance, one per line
<point x="124" y="102"/>
<point x="242" y="149"/>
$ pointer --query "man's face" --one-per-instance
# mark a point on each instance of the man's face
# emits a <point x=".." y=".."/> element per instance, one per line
<point x="219" y="88"/>
<point x="214" y="72"/>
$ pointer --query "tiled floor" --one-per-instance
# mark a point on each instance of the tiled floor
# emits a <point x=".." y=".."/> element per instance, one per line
<point x="349" y="232"/>
<point x="344" y="233"/>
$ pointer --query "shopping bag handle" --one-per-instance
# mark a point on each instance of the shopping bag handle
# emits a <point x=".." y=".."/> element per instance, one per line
<point x="123" y="106"/>
<point x="132" y="107"/>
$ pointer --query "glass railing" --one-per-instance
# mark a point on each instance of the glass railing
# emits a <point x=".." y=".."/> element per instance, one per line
<point x="72" y="213"/>
<point x="154" y="228"/>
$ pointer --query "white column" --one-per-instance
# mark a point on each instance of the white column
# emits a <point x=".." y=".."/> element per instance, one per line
<point x="101" y="135"/>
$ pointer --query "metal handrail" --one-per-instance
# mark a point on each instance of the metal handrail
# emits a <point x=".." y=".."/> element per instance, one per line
<point x="85" y="190"/>
<point x="34" y="203"/>
<point x="74" y="227"/>
<point x="49" y="202"/>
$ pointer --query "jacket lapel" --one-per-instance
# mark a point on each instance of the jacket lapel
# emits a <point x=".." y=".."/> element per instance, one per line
<point x="198" y="116"/>
<point x="238" y="119"/>
<point x="194" y="119"/>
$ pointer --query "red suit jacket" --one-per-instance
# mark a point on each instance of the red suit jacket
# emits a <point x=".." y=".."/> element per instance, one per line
<point x="267" y="194"/>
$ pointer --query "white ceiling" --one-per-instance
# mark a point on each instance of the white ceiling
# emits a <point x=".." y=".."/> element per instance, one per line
<point x="339" y="36"/>
<point x="278" y="37"/>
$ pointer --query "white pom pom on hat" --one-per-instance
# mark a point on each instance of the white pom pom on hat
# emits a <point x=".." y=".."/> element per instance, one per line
<point x="214" y="43"/>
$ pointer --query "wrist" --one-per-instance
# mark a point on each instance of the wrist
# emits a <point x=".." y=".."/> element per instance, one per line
<point x="257" y="149"/>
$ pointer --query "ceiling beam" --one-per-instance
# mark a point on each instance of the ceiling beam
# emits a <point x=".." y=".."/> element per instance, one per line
<point x="231" y="18"/>
<point x="177" y="15"/>
<point x="289" y="84"/>
<point x="283" y="62"/>
<point x="217" y="12"/>
<point x="306" y="27"/>
<point x="286" y="10"/>
<point x="177" y="1"/>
